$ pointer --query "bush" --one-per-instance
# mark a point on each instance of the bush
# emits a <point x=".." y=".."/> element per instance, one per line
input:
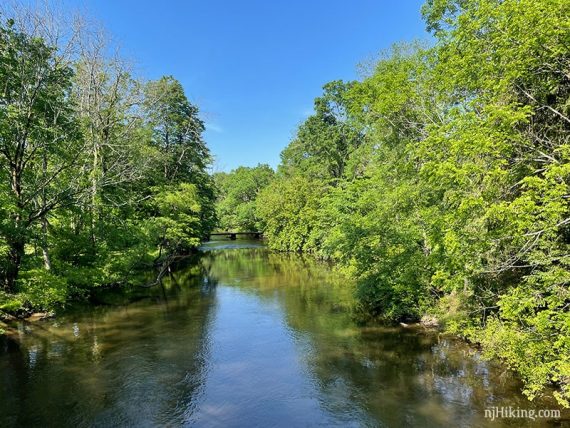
<point x="41" y="290"/>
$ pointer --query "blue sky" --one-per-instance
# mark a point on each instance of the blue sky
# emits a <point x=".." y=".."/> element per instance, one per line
<point x="254" y="66"/>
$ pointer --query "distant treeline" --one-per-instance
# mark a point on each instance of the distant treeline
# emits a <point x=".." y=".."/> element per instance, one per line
<point x="101" y="174"/>
<point x="440" y="181"/>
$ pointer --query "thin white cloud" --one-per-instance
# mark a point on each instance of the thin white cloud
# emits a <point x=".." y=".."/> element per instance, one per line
<point x="214" y="128"/>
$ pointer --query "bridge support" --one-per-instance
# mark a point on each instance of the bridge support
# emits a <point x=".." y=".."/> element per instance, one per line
<point x="233" y="235"/>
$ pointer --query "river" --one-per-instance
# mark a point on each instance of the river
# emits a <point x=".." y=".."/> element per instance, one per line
<point x="247" y="338"/>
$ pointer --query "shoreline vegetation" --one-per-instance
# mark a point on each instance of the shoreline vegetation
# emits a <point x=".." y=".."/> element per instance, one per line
<point x="439" y="181"/>
<point x="102" y="174"/>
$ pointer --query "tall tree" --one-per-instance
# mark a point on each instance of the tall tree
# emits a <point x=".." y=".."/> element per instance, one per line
<point x="39" y="139"/>
<point x="117" y="153"/>
<point x="326" y="140"/>
<point x="177" y="131"/>
<point x="237" y="196"/>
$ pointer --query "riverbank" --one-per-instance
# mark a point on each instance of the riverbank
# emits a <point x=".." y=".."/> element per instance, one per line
<point x="251" y="335"/>
<point x="125" y="296"/>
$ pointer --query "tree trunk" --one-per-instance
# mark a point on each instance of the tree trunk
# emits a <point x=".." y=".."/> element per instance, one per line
<point x="94" y="190"/>
<point x="16" y="241"/>
<point x="44" y="240"/>
<point x="45" y="248"/>
<point x="15" y="255"/>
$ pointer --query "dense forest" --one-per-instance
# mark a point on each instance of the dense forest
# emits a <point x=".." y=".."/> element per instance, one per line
<point x="237" y="192"/>
<point x="439" y="181"/>
<point x="101" y="174"/>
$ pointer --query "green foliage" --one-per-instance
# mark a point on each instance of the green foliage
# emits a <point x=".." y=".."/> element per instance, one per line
<point x="183" y="156"/>
<point x="176" y="130"/>
<point x="100" y="174"/>
<point x="290" y="210"/>
<point x="441" y="182"/>
<point x="501" y="163"/>
<point x="42" y="290"/>
<point x="38" y="139"/>
<point x="237" y="197"/>
<point x="326" y="140"/>
<point x="176" y="223"/>
<point x="10" y="303"/>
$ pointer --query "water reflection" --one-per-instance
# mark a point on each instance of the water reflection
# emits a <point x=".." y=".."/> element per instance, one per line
<point x="141" y="364"/>
<point x="244" y="338"/>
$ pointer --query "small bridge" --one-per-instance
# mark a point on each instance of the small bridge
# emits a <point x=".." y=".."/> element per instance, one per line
<point x="233" y="235"/>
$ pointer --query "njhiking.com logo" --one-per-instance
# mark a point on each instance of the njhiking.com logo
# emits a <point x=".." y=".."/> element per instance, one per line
<point x="518" y="413"/>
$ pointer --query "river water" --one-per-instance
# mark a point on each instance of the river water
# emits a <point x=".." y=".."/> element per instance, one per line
<point x="245" y="337"/>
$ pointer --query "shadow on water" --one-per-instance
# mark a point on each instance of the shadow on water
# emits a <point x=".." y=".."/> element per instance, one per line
<point x="142" y="363"/>
<point x="245" y="337"/>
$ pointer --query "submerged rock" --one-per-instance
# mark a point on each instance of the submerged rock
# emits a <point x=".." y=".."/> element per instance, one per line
<point x="37" y="316"/>
<point x="429" y="321"/>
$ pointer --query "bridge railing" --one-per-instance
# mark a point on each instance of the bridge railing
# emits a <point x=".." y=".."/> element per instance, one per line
<point x="234" y="235"/>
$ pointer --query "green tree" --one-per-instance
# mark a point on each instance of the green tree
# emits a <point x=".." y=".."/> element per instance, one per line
<point x="452" y="199"/>
<point x="176" y="219"/>
<point x="39" y="140"/>
<point x="507" y="62"/>
<point x="326" y="140"/>
<point x="290" y="209"/>
<point x="177" y="133"/>
<point x="82" y="203"/>
<point x="237" y="197"/>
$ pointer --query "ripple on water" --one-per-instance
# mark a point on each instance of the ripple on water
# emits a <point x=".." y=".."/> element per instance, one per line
<point x="249" y="338"/>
